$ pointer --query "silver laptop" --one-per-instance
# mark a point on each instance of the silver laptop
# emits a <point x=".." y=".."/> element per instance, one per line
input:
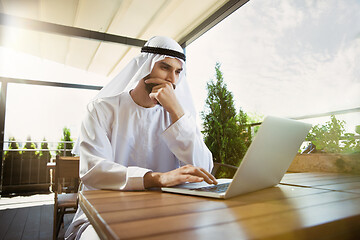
<point x="264" y="164"/>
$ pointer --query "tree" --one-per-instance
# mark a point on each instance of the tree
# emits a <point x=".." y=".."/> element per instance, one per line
<point x="45" y="154"/>
<point x="223" y="128"/>
<point x="245" y="128"/>
<point x="68" y="146"/>
<point x="254" y="117"/>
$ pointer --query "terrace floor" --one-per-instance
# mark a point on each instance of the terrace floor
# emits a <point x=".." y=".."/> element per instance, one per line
<point x="29" y="217"/>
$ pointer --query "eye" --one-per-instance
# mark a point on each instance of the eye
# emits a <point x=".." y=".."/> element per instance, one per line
<point x="164" y="67"/>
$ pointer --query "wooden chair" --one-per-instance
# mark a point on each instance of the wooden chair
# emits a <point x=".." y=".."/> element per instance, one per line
<point x="66" y="187"/>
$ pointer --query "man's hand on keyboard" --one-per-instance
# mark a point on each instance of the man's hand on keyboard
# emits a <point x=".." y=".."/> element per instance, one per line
<point x="181" y="175"/>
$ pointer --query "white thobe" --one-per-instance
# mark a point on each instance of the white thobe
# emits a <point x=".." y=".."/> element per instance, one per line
<point x="121" y="141"/>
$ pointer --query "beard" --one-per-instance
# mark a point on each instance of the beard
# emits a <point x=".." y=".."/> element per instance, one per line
<point x="149" y="87"/>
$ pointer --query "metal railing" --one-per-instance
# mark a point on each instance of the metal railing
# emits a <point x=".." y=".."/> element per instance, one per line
<point x="52" y="144"/>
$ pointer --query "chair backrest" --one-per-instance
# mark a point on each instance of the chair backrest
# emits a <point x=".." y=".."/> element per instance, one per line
<point x="66" y="174"/>
<point x="230" y="170"/>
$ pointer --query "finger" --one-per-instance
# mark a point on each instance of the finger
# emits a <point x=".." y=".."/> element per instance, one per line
<point x="191" y="178"/>
<point x="210" y="176"/>
<point x="155" y="93"/>
<point x="158" y="87"/>
<point x="161" y="93"/>
<point x="209" y="180"/>
<point x="155" y="80"/>
<point x="200" y="172"/>
<point x="153" y="97"/>
<point x="158" y="81"/>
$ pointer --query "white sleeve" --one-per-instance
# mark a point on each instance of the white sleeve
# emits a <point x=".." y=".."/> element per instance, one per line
<point x="185" y="141"/>
<point x="97" y="167"/>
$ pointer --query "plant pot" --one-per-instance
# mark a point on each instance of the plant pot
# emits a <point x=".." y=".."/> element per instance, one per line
<point x="326" y="162"/>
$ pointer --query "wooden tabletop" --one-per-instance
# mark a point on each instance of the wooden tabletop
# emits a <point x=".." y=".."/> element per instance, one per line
<point x="303" y="206"/>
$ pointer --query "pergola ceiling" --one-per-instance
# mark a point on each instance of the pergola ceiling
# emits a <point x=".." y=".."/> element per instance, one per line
<point x="183" y="20"/>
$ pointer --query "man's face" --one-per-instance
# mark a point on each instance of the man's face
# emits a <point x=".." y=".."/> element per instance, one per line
<point x="168" y="69"/>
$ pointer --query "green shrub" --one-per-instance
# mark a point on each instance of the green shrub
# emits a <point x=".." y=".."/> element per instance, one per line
<point x="44" y="155"/>
<point x="331" y="137"/>
<point x="69" y="146"/>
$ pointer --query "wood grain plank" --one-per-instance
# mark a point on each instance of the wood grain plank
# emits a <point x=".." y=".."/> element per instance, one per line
<point x="157" y="212"/>
<point x="112" y="193"/>
<point x="314" y="175"/>
<point x="164" y="199"/>
<point x="314" y="183"/>
<point x="156" y="215"/>
<point x="299" y="177"/>
<point x="204" y="204"/>
<point x="127" y="198"/>
<point x="354" y="191"/>
<point x="158" y="200"/>
<point x="103" y="230"/>
<point x="344" y="229"/>
<point x="341" y="186"/>
<point x="96" y="221"/>
<point x="156" y="226"/>
<point x="316" y="222"/>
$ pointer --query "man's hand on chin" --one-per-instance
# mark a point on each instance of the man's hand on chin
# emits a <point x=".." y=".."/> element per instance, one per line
<point x="163" y="93"/>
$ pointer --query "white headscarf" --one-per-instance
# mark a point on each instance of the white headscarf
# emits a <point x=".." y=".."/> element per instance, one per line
<point x="142" y="65"/>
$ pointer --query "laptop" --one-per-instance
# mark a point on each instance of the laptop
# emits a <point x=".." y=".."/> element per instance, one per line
<point x="264" y="164"/>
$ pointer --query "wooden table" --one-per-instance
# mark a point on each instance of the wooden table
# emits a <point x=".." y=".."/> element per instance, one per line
<point x="303" y="206"/>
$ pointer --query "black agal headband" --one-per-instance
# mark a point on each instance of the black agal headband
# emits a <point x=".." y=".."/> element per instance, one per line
<point x="163" y="51"/>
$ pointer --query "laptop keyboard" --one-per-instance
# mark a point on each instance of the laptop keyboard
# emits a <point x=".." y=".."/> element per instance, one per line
<point x="220" y="188"/>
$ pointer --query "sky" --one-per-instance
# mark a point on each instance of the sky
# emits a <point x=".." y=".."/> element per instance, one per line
<point x="285" y="58"/>
<point x="281" y="57"/>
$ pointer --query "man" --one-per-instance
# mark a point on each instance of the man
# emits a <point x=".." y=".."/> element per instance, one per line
<point x="140" y="130"/>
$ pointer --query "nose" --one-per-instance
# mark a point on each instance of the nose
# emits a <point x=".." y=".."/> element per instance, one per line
<point x="172" y="77"/>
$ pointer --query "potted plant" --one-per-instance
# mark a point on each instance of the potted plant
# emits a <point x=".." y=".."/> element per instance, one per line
<point x="335" y="150"/>
<point x="63" y="146"/>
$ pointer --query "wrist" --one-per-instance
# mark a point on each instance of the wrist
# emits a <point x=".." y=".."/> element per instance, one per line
<point x="176" y="115"/>
<point x="152" y="179"/>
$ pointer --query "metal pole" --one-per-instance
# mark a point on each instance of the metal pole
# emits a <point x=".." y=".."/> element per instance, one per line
<point x="35" y="25"/>
<point x="2" y="126"/>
